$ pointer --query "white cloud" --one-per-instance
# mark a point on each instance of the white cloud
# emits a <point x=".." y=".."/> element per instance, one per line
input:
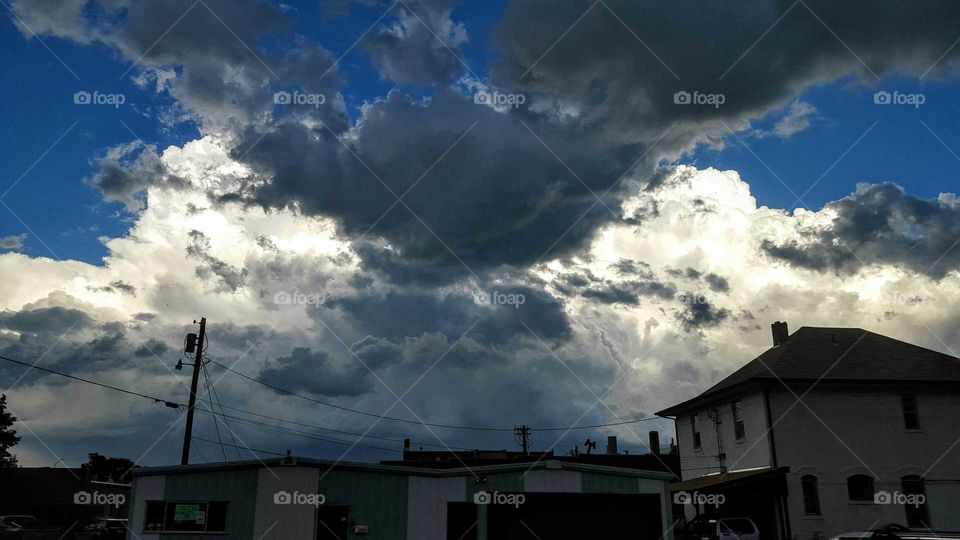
<point x="706" y="220"/>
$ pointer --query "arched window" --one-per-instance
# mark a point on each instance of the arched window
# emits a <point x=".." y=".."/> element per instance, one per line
<point x="860" y="487"/>
<point x="915" y="494"/>
<point x="811" y="495"/>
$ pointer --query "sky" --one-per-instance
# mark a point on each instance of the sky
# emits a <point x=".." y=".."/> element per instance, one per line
<point x="454" y="214"/>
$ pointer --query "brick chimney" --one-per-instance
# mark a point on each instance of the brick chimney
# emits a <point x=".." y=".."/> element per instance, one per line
<point x="612" y="445"/>
<point x="655" y="442"/>
<point x="780" y="333"/>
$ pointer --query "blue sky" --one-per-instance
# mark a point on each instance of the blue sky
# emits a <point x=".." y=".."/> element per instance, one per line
<point x="54" y="201"/>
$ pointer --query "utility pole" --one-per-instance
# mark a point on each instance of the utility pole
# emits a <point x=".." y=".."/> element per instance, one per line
<point x="197" y="364"/>
<point x="523" y="433"/>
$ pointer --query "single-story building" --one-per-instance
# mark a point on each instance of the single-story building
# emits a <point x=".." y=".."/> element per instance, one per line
<point x="306" y="499"/>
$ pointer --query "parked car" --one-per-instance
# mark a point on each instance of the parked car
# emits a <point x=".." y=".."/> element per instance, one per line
<point x="721" y="528"/>
<point x="101" y="529"/>
<point x="23" y="527"/>
<point x="894" y="531"/>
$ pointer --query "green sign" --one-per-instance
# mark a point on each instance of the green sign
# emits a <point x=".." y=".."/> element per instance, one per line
<point x="186" y="512"/>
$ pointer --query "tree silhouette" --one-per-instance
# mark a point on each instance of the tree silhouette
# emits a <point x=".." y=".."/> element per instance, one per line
<point x="8" y="437"/>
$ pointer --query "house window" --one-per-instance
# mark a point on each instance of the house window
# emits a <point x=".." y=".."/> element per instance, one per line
<point x="696" y="433"/>
<point x="738" y="430"/>
<point x="911" y="418"/>
<point x="185" y="516"/>
<point x="860" y="487"/>
<point x="913" y="488"/>
<point x="811" y="495"/>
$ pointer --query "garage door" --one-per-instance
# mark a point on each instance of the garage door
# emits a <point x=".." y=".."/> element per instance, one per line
<point x="556" y="516"/>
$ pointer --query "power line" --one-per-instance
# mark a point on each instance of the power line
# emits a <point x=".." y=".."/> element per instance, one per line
<point x="216" y="396"/>
<point x="88" y="381"/>
<point x="194" y="437"/>
<point x="178" y="405"/>
<point x="216" y="424"/>
<point x="416" y="422"/>
<point x="355" y="411"/>
<point x="283" y="429"/>
<point x="314" y="426"/>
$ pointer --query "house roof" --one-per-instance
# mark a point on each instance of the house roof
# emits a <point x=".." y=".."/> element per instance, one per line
<point x="837" y="354"/>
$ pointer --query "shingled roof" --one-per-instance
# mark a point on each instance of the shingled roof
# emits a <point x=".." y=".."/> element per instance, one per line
<point x="838" y="354"/>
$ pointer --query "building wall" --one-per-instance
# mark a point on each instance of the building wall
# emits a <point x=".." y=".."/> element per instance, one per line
<point x="427" y="505"/>
<point x="394" y="506"/>
<point x="751" y="452"/>
<point x="377" y="500"/>
<point x="144" y="488"/>
<point x="853" y="431"/>
<point x="273" y="520"/>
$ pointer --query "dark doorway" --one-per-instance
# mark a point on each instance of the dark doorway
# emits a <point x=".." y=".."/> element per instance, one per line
<point x="917" y="514"/>
<point x="332" y="522"/>
<point x="461" y="521"/>
<point x="556" y="516"/>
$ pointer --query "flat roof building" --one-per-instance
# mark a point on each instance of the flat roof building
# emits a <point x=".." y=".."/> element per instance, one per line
<point x="299" y="498"/>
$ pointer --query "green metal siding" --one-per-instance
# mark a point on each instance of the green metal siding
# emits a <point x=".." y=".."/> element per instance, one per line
<point x="608" y="483"/>
<point x="238" y="488"/>
<point x="375" y="499"/>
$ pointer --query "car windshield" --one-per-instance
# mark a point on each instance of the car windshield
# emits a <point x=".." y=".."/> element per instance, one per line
<point x="739" y="526"/>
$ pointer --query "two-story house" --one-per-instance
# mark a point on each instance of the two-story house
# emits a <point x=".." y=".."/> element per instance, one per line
<point x="829" y="430"/>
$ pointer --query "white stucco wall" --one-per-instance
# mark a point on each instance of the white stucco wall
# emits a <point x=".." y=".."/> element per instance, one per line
<point x="849" y="431"/>
<point x="751" y="452"/>
<point x="145" y="488"/>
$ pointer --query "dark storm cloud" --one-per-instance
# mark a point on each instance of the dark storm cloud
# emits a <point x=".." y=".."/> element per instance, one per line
<point x="45" y="320"/>
<point x="128" y="170"/>
<point x="317" y="373"/>
<point x="699" y="313"/>
<point x="224" y="76"/>
<point x="117" y="286"/>
<point x="398" y="315"/>
<point x="497" y="197"/>
<point x="420" y="46"/>
<point x="631" y="267"/>
<point x="229" y="277"/>
<point x="880" y="224"/>
<point x="628" y="86"/>
<point x="629" y="292"/>
<point x="12" y="242"/>
<point x="715" y="282"/>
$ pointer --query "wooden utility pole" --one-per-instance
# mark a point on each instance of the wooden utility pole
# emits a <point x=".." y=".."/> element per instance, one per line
<point x="523" y="433"/>
<point x="197" y="364"/>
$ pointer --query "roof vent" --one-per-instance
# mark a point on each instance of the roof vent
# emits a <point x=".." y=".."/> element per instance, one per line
<point x="780" y="333"/>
